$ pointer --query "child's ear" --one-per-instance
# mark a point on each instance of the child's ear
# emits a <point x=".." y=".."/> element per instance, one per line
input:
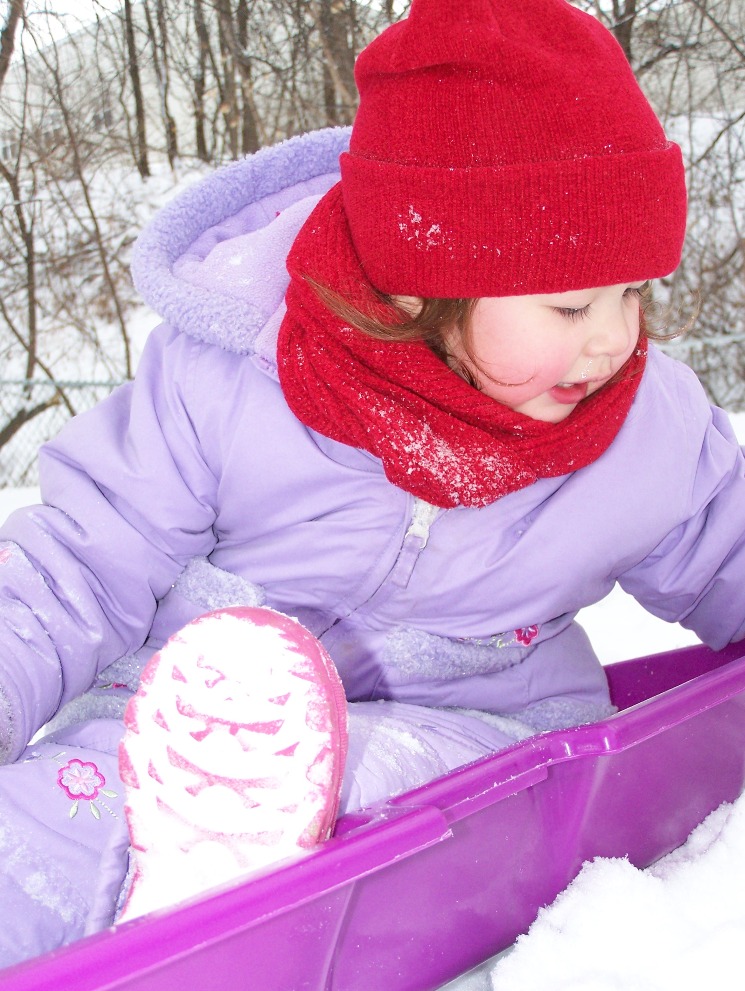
<point x="409" y="304"/>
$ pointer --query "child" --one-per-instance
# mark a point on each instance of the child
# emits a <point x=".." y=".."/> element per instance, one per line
<point x="437" y="443"/>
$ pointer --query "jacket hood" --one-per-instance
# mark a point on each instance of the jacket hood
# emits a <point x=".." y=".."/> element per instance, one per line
<point x="212" y="262"/>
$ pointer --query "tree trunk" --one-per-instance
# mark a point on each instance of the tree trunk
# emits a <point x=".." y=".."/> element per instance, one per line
<point x="8" y="35"/>
<point x="250" y="140"/>
<point x="336" y="23"/>
<point x="200" y="81"/>
<point x="229" y="107"/>
<point x="624" y="14"/>
<point x="141" y="159"/>
<point x="158" y="35"/>
<point x="26" y="233"/>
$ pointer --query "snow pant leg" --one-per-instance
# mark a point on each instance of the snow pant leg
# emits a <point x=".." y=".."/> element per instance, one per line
<point x="63" y="840"/>
<point x="396" y="746"/>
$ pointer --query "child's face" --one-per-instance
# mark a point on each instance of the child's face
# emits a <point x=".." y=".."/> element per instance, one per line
<point x="542" y="355"/>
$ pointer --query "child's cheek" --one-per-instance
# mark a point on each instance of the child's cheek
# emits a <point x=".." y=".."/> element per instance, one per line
<point x="519" y="385"/>
<point x="541" y="369"/>
<point x="510" y="359"/>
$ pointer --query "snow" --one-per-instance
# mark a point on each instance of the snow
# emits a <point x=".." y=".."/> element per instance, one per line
<point x="679" y="923"/>
<point x="676" y="926"/>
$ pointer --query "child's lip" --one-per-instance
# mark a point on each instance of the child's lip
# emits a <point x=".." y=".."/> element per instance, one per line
<point x="593" y="381"/>
<point x="569" y="393"/>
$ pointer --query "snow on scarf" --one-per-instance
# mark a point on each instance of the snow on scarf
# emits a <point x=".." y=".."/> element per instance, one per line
<point x="438" y="437"/>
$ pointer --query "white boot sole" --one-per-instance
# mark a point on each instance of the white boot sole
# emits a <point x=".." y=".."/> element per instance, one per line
<point x="233" y="754"/>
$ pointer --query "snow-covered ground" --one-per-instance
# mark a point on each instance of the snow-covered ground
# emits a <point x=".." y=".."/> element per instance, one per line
<point x="677" y="926"/>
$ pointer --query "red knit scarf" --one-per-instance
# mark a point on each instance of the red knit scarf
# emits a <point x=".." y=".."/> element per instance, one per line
<point x="437" y="436"/>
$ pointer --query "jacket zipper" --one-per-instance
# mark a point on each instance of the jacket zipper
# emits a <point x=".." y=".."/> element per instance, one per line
<point x="414" y="542"/>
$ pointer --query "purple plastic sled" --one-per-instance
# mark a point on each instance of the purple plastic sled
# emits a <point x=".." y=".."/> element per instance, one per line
<point x="420" y="889"/>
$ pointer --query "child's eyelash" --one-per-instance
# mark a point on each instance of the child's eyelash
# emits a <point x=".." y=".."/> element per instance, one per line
<point x="641" y="292"/>
<point x="572" y="313"/>
<point x="578" y="312"/>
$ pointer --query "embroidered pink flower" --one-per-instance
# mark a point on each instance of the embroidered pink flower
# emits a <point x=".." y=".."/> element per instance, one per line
<point x="80" y="779"/>
<point x="5" y="555"/>
<point x="526" y="635"/>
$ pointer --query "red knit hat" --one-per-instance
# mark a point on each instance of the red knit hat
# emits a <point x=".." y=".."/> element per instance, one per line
<point x="504" y="148"/>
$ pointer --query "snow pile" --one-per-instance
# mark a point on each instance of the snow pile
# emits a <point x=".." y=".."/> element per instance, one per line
<point x="677" y="925"/>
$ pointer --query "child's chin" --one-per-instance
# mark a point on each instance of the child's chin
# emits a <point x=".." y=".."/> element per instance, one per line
<point x="547" y="411"/>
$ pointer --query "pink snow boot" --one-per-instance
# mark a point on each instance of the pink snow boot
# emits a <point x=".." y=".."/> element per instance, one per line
<point x="233" y="754"/>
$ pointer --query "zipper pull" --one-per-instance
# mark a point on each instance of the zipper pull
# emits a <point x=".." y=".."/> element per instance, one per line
<point x="422" y="518"/>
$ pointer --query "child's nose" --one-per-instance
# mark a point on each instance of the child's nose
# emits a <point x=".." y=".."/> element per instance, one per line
<point x="613" y="332"/>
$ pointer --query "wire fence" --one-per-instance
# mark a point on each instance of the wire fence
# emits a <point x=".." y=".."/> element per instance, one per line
<point x="32" y="411"/>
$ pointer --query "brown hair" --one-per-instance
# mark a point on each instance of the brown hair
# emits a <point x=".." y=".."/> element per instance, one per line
<point x="432" y="324"/>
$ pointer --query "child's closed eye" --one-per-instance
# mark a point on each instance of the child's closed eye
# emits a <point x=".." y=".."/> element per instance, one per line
<point x="572" y="312"/>
<point x="579" y="312"/>
<point x="640" y="292"/>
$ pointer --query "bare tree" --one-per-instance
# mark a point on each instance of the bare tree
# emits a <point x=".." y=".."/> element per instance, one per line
<point x="251" y="140"/>
<point x="337" y="26"/>
<point x="226" y="80"/>
<point x="157" y="31"/>
<point x="141" y="157"/>
<point x="200" y="80"/>
<point x="619" y="16"/>
<point x="23" y="240"/>
<point x="8" y="35"/>
<point x="17" y="221"/>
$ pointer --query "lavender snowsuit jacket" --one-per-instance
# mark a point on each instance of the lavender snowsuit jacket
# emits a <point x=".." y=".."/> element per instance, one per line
<point x="195" y="485"/>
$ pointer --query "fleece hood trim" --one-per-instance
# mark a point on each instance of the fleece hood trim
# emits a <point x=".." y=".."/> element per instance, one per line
<point x="252" y="209"/>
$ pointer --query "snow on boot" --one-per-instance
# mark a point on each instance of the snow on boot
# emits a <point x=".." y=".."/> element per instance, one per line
<point x="233" y="754"/>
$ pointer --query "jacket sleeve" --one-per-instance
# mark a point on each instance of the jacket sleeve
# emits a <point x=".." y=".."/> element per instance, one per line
<point x="129" y="499"/>
<point x="696" y="574"/>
